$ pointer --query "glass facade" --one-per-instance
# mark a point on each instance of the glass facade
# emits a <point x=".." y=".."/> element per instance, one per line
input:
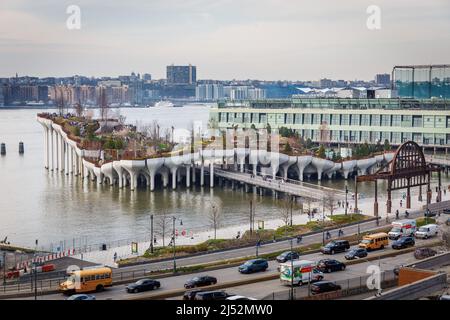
<point x="422" y="82"/>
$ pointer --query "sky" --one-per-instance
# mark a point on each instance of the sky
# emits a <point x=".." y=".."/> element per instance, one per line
<point x="225" y="39"/>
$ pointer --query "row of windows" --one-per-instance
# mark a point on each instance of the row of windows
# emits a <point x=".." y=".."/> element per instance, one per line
<point x="95" y="277"/>
<point x="338" y="119"/>
<point x="373" y="137"/>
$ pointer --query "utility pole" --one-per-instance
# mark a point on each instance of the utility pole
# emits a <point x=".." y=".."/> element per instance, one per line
<point x="4" y="268"/>
<point x="292" y="272"/>
<point x="292" y="203"/>
<point x="174" y="250"/>
<point x="346" y="201"/>
<point x="151" y="233"/>
<point x="251" y="217"/>
<point x="35" y="281"/>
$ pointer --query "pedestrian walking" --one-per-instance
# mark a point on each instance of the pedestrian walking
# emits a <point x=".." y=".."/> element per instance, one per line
<point x="115" y="256"/>
<point x="401" y="202"/>
<point x="397" y="214"/>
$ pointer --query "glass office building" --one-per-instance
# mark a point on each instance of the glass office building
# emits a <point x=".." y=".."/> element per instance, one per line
<point x="345" y="120"/>
<point x="422" y="82"/>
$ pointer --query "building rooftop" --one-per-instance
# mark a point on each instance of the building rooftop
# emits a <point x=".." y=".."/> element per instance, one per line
<point x="340" y="103"/>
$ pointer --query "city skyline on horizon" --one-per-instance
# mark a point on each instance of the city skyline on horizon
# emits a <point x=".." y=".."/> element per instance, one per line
<point x="262" y="40"/>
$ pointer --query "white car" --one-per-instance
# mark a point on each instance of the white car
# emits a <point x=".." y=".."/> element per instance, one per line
<point x="237" y="298"/>
<point x="427" y="231"/>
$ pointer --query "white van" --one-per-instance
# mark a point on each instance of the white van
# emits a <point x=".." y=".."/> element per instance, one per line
<point x="402" y="228"/>
<point x="427" y="231"/>
<point x="304" y="271"/>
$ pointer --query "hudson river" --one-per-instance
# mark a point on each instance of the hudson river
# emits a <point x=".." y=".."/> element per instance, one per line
<point x="52" y="207"/>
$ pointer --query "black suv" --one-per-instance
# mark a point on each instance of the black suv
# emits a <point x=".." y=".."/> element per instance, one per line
<point x="211" y="295"/>
<point x="324" y="286"/>
<point x="330" y="265"/>
<point x="403" y="243"/>
<point x="335" y="246"/>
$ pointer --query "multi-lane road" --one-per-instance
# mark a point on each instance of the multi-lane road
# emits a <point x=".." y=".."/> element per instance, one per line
<point x="260" y="289"/>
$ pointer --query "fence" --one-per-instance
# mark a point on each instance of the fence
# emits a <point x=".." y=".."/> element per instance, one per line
<point x="349" y="287"/>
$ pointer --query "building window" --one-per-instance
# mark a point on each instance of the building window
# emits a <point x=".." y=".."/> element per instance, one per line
<point x="344" y="120"/>
<point x="396" y="120"/>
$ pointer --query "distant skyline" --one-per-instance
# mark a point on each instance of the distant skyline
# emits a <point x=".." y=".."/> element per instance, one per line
<point x="225" y="39"/>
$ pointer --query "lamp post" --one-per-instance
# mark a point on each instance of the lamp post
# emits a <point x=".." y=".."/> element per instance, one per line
<point x="346" y="201"/>
<point x="4" y="268"/>
<point x="151" y="233"/>
<point x="292" y="272"/>
<point x="174" y="249"/>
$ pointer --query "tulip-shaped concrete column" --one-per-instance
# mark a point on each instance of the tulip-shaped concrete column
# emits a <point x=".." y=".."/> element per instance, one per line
<point x="153" y="165"/>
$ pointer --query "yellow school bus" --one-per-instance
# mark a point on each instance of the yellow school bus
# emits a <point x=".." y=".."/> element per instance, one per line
<point x="87" y="280"/>
<point x="374" y="241"/>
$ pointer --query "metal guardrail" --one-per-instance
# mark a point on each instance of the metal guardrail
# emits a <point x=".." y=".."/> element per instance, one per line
<point x="280" y="185"/>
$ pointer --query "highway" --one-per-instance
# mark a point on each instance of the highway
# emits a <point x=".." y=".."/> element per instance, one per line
<point x="256" y="290"/>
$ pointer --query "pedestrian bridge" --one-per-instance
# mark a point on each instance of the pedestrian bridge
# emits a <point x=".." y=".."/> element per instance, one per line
<point x="288" y="186"/>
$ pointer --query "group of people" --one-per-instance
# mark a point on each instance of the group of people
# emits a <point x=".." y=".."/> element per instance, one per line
<point x="340" y="234"/>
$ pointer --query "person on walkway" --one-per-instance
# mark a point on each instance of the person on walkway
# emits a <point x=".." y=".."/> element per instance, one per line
<point x="397" y="214"/>
<point x="115" y="256"/>
<point x="328" y="235"/>
<point x="154" y="239"/>
<point x="299" y="239"/>
<point x="406" y="214"/>
<point x="401" y="203"/>
<point x="340" y="233"/>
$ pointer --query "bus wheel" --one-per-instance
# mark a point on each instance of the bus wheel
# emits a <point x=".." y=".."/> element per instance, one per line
<point x="99" y="288"/>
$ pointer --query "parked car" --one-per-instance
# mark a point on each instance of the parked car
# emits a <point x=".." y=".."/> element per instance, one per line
<point x="403" y="242"/>
<point x="429" y="214"/>
<point x="447" y="222"/>
<point x="211" y="295"/>
<point x="143" y="285"/>
<point x="200" y="282"/>
<point x="356" y="253"/>
<point x="255" y="265"/>
<point x="240" y="298"/>
<point x="427" y="231"/>
<point x="422" y="253"/>
<point x="330" y="265"/>
<point x="335" y="246"/>
<point x="81" y="297"/>
<point x="324" y="286"/>
<point x="190" y="295"/>
<point x="288" y="256"/>
<point x="446" y="211"/>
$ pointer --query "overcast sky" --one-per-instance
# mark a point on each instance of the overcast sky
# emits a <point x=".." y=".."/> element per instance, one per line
<point x="225" y="39"/>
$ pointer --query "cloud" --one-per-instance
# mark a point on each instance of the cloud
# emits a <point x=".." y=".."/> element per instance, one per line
<point x="267" y="39"/>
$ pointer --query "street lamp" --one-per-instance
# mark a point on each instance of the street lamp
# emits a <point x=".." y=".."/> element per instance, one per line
<point x="174" y="249"/>
<point x="346" y="201"/>
<point x="4" y="268"/>
<point x="151" y="233"/>
<point x="292" y="271"/>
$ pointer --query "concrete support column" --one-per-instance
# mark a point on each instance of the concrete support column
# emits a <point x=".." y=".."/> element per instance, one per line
<point x="194" y="176"/>
<point x="61" y="153"/>
<point x="133" y="181"/>
<point x="165" y="177"/>
<point x="202" y="174"/>
<point x="174" y="178"/>
<point x="66" y="158"/>
<point x="46" y="147"/>
<point x="51" y="154"/>
<point x="57" y="147"/>
<point x="152" y="181"/>
<point x="188" y="176"/>
<point x="211" y="174"/>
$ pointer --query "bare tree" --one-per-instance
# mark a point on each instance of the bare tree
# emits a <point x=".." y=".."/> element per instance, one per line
<point x="163" y="225"/>
<point x="215" y="216"/>
<point x="78" y="108"/>
<point x="330" y="202"/>
<point x="308" y="203"/>
<point x="285" y="212"/>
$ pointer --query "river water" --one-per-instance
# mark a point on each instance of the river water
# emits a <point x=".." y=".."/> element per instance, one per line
<point x="52" y="207"/>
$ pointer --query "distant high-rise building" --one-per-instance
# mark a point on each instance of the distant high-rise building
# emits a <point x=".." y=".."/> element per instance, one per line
<point x="209" y="92"/>
<point x="181" y="74"/>
<point x="383" y="79"/>
<point x="146" y="77"/>
<point x="325" y="83"/>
